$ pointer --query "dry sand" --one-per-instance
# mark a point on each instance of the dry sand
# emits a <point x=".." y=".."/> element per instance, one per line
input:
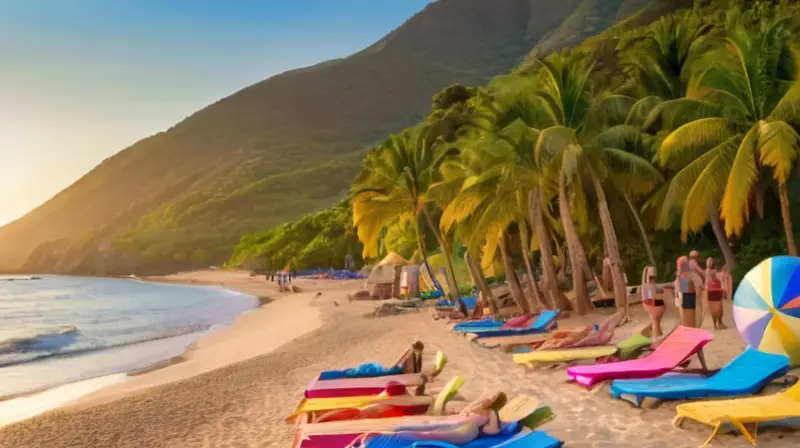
<point x="243" y="405"/>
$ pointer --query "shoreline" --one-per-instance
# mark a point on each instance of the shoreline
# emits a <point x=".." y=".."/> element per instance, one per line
<point x="218" y="349"/>
<point x="253" y="333"/>
<point x="245" y="404"/>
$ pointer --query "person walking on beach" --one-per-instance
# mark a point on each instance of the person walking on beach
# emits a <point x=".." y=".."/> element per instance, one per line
<point x="687" y="284"/>
<point x="714" y="293"/>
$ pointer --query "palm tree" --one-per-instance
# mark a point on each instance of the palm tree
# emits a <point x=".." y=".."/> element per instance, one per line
<point x="497" y="145"/>
<point x="750" y="75"/>
<point x="510" y="122"/>
<point x="477" y="194"/>
<point x="480" y="281"/>
<point x="579" y="151"/>
<point x="657" y="60"/>
<point x="394" y="182"/>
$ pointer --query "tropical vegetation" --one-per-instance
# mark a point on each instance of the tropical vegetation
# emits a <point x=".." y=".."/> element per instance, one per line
<point x="685" y="134"/>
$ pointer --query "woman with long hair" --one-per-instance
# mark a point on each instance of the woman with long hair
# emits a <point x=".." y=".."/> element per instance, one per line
<point x="654" y="306"/>
<point x="715" y="293"/>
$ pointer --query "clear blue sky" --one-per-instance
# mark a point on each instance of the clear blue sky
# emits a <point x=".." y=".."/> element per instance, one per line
<point x="82" y="79"/>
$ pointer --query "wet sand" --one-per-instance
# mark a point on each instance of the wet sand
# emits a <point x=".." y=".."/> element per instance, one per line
<point x="243" y="405"/>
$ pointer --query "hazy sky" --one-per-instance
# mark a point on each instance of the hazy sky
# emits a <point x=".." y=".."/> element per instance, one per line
<point x="82" y="79"/>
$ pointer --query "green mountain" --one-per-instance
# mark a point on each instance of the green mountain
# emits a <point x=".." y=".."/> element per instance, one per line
<point x="290" y="144"/>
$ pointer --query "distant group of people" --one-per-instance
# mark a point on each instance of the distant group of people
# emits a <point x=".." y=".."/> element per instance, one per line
<point x="283" y="279"/>
<point x="692" y="279"/>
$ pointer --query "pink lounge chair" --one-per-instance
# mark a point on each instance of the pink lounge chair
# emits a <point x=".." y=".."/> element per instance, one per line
<point x="356" y="387"/>
<point x="676" y="348"/>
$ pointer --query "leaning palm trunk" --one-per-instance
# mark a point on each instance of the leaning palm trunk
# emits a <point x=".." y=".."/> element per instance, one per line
<point x="783" y="193"/>
<point x="612" y="248"/>
<point x="722" y="239"/>
<point x="511" y="277"/>
<point x="423" y="252"/>
<point x="480" y="281"/>
<point x="576" y="255"/>
<point x="455" y="294"/>
<point x="640" y="226"/>
<point x="552" y="294"/>
<point x="535" y="298"/>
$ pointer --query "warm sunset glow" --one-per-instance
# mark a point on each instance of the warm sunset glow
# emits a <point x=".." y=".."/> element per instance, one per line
<point x="92" y="77"/>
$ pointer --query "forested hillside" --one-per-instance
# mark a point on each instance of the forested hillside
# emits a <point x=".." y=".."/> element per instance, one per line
<point x="633" y="147"/>
<point x="285" y="146"/>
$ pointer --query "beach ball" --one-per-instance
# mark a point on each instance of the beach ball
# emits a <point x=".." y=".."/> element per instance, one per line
<point x="766" y="307"/>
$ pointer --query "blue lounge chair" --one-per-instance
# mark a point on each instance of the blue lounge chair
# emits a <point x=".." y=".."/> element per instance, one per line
<point x="508" y="438"/>
<point x="465" y="327"/>
<point x="745" y="375"/>
<point x="542" y="324"/>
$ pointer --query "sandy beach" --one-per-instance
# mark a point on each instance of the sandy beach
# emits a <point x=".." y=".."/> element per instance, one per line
<point x="236" y="386"/>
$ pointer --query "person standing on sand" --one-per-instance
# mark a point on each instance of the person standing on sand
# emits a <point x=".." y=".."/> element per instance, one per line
<point x="714" y="293"/>
<point x="687" y="284"/>
<point x="694" y="263"/>
<point x="654" y="306"/>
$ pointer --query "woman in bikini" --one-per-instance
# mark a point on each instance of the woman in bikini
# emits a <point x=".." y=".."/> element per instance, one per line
<point x="714" y="293"/>
<point x="654" y="306"/>
<point x="689" y="285"/>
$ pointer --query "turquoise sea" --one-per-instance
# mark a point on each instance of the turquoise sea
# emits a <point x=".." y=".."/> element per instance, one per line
<point x="59" y="330"/>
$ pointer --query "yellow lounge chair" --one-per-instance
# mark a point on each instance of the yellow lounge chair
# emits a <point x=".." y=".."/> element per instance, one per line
<point x="741" y="411"/>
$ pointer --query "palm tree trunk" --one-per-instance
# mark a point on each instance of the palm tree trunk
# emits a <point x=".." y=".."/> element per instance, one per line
<point x="640" y="226"/>
<point x="480" y="281"/>
<point x="536" y="295"/>
<point x="783" y="193"/>
<point x="722" y="239"/>
<point x="511" y="277"/>
<point x="448" y="257"/>
<point x="423" y="252"/>
<point x="575" y="249"/>
<point x="552" y="294"/>
<point x="612" y="247"/>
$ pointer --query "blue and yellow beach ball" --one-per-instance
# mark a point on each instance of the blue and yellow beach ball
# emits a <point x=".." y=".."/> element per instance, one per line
<point x="766" y="307"/>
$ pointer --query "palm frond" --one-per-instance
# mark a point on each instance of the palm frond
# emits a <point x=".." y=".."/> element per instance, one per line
<point x="693" y="139"/>
<point x="778" y="145"/>
<point x="742" y="178"/>
<point x="706" y="189"/>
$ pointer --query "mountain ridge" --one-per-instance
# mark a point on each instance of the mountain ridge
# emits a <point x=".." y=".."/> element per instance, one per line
<point x="274" y="150"/>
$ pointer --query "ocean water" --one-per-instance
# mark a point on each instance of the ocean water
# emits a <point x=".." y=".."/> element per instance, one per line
<point x="60" y="330"/>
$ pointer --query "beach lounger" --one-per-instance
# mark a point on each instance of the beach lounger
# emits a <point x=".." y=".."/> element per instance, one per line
<point x="633" y="346"/>
<point x="564" y="354"/>
<point x="745" y="375"/>
<point x="353" y="387"/>
<point x="457" y="430"/>
<point x="464" y="327"/>
<point x="410" y="362"/>
<point x="582" y="353"/>
<point x="511" y="437"/>
<point x="371" y="369"/>
<point x="742" y="411"/>
<point x="679" y="346"/>
<point x="541" y="324"/>
<point x="517" y="322"/>
<point x="391" y="403"/>
<point x="350" y="387"/>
